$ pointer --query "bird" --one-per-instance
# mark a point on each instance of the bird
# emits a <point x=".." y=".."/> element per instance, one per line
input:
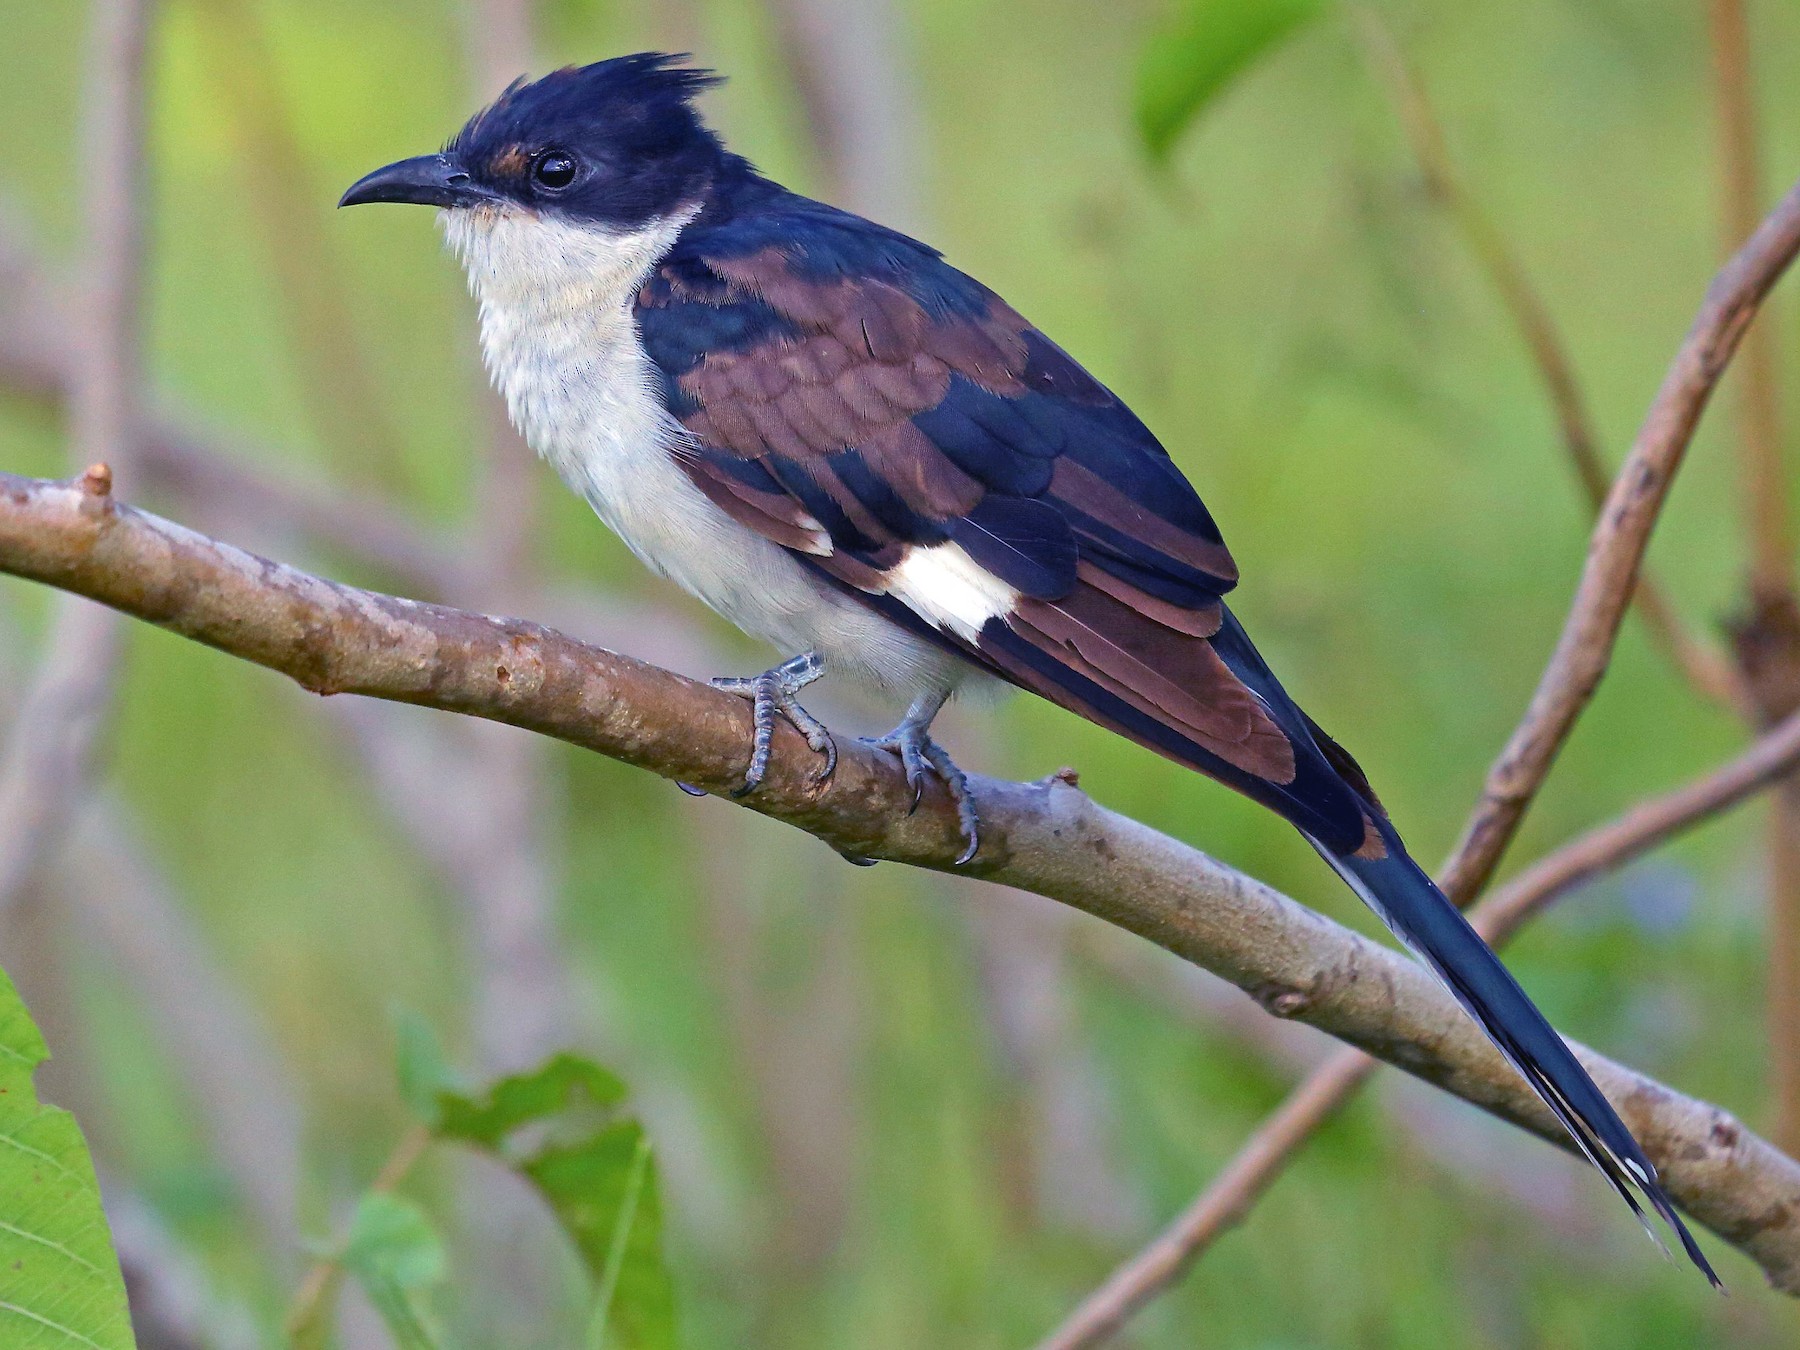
<point x="824" y="431"/>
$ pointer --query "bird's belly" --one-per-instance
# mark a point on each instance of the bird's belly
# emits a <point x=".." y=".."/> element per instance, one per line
<point x="601" y="426"/>
<point x="680" y="534"/>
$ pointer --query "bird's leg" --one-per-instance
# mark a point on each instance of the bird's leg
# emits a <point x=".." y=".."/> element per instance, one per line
<point x="920" y="755"/>
<point x="773" y="692"/>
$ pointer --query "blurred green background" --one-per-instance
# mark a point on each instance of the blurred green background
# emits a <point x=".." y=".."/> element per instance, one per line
<point x="893" y="1110"/>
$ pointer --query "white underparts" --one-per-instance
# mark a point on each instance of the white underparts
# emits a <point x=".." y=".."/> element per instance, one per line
<point x="560" y="338"/>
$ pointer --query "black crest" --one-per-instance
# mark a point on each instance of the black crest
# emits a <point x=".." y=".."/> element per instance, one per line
<point x="617" y="142"/>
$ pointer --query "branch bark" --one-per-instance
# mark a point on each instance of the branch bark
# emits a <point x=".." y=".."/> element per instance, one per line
<point x="1045" y="837"/>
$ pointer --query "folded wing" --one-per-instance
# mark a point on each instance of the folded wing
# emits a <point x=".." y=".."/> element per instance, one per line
<point x="907" y="434"/>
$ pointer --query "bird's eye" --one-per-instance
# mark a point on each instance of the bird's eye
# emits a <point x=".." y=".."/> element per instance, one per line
<point x="553" y="169"/>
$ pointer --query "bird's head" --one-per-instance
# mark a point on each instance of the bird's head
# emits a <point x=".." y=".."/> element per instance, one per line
<point x="616" y="145"/>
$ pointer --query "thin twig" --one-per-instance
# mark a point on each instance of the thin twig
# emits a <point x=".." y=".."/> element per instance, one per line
<point x="1763" y="480"/>
<point x="1768" y="635"/>
<point x="316" y="1290"/>
<point x="352" y="415"/>
<point x="1264" y="1157"/>
<point x="1704" y="667"/>
<point x="222" y="478"/>
<point x="1580" y="659"/>
<point x="1046" y="837"/>
<point x="1616" y="550"/>
<point x="49" y="752"/>
<point x="114" y="898"/>
<point x="847" y="60"/>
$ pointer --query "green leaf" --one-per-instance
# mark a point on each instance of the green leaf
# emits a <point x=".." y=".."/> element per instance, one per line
<point x="396" y="1256"/>
<point x="564" y="1083"/>
<point x="604" y="1191"/>
<point x="619" y="1250"/>
<point x="1198" y="51"/>
<point x="421" y="1066"/>
<point x="594" y="1167"/>
<point x="60" y="1286"/>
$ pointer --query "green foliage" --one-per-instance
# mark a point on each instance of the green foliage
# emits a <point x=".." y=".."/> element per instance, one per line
<point x="626" y="1248"/>
<point x="397" y="1257"/>
<point x="421" y="1066"/>
<point x="560" y="1127"/>
<point x="564" y="1084"/>
<point x="1198" y="51"/>
<point x="871" y="1161"/>
<point x="59" y="1279"/>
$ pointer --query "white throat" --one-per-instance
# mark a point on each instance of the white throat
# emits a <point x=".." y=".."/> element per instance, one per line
<point x="557" y="331"/>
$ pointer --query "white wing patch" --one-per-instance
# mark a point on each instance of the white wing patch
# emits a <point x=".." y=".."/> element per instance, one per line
<point x="944" y="584"/>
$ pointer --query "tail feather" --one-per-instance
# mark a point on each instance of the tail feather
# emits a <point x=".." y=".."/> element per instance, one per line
<point x="1410" y="904"/>
<point x="1328" y="798"/>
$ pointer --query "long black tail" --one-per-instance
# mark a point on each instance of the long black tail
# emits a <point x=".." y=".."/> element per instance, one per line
<point x="1408" y="901"/>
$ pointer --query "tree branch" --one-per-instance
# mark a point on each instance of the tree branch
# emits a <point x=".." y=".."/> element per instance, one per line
<point x="1763" y="481"/>
<point x="49" y="752"/>
<point x="1705" y="668"/>
<point x="1045" y="837"/>
<point x="1767" y="635"/>
<point x="222" y="479"/>
<point x="1616" y="550"/>
<point x="1582" y="653"/>
<point x="1265" y="1155"/>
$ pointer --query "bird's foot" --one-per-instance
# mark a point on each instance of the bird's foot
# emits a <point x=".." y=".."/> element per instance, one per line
<point x="920" y="755"/>
<point x="771" y="693"/>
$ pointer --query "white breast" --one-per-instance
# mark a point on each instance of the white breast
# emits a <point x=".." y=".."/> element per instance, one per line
<point x="561" y="343"/>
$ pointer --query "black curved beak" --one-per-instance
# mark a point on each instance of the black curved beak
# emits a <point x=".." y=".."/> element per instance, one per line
<point x="426" y="180"/>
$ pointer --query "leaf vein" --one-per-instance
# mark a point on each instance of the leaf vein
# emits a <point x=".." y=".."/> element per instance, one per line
<point x="70" y="1332"/>
<point x="51" y="1243"/>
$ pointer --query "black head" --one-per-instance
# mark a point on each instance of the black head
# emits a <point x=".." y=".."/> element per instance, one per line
<point x="616" y="143"/>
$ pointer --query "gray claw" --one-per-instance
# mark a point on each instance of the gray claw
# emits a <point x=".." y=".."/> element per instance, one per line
<point x="773" y="693"/>
<point x="920" y="755"/>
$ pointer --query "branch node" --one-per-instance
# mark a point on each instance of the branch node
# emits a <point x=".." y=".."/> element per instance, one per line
<point x="1766" y="640"/>
<point x="96" y="481"/>
<point x="1283" y="1003"/>
<point x="1725" y="1132"/>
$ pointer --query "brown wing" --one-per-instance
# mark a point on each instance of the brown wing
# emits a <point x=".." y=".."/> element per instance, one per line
<point x="855" y="414"/>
